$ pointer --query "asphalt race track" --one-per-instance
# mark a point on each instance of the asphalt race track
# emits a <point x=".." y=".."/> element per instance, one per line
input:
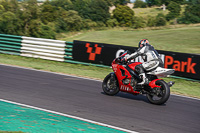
<point x="85" y="98"/>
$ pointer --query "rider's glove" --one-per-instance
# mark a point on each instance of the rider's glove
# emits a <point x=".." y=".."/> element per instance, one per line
<point x="118" y="59"/>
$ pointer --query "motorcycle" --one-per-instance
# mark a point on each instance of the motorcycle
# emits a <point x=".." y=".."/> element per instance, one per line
<point x="125" y="78"/>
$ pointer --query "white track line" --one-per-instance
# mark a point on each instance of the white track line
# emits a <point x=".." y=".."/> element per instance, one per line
<point x="74" y="117"/>
<point x="81" y="78"/>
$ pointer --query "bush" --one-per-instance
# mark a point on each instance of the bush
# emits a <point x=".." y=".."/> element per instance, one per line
<point x="192" y="13"/>
<point x="88" y="24"/>
<point x="47" y="32"/>
<point x="124" y="15"/>
<point x="112" y="23"/>
<point x="140" y="4"/>
<point x="160" y="20"/>
<point x="69" y="21"/>
<point x="151" y="22"/>
<point x="139" y="22"/>
<point x="174" y="9"/>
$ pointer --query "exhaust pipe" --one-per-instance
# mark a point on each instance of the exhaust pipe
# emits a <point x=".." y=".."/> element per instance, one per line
<point x="171" y="83"/>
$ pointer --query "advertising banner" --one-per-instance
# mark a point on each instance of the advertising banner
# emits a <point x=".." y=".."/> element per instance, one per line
<point x="185" y="65"/>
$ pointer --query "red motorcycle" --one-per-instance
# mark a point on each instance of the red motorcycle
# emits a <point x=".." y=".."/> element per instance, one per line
<point x="126" y="79"/>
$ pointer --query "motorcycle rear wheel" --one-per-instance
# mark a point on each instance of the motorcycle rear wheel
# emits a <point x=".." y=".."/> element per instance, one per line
<point x="161" y="95"/>
<point x="110" y="86"/>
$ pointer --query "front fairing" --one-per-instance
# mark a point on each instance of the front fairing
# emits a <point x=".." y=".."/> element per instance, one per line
<point x="132" y="65"/>
<point x="122" y="73"/>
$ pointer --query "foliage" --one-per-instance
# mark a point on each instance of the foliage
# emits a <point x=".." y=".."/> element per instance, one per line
<point x="88" y="24"/>
<point x="151" y="21"/>
<point x="167" y="2"/>
<point x="140" y="4"/>
<point x="153" y="2"/>
<point x="121" y="2"/>
<point x="48" y="13"/>
<point x="160" y="20"/>
<point x="82" y="7"/>
<point x="69" y="21"/>
<point x="99" y="11"/>
<point x="139" y="22"/>
<point x="160" y="2"/>
<point x="174" y="9"/>
<point x="124" y="15"/>
<point x="9" y="23"/>
<point x="192" y="12"/>
<point x="45" y="20"/>
<point x="65" y="4"/>
<point x="38" y="29"/>
<point x="112" y="23"/>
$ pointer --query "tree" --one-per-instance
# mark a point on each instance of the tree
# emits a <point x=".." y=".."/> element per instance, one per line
<point x="174" y="9"/>
<point x="10" y="24"/>
<point x="124" y="15"/>
<point x="192" y="12"/>
<point x="82" y="7"/>
<point x="112" y="23"/>
<point x="48" y="14"/>
<point x="151" y="21"/>
<point x="65" y="4"/>
<point x="140" y="4"/>
<point x="154" y="2"/>
<point x="160" y="2"/>
<point x="121" y="2"/>
<point x="139" y="22"/>
<point x="30" y="11"/>
<point x="38" y="29"/>
<point x="167" y="2"/>
<point x="69" y="21"/>
<point x="96" y="10"/>
<point x="160" y="20"/>
<point x="99" y="11"/>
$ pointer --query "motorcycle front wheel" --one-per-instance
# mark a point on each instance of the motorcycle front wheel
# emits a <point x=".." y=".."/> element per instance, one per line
<point x="159" y="95"/>
<point x="110" y="85"/>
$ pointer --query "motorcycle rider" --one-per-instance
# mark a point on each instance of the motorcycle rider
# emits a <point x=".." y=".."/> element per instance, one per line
<point x="151" y="59"/>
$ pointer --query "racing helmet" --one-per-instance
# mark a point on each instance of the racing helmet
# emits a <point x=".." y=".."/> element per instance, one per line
<point x="143" y="43"/>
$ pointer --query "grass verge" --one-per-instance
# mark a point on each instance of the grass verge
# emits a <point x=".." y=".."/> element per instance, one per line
<point x="182" y="87"/>
<point x="182" y="39"/>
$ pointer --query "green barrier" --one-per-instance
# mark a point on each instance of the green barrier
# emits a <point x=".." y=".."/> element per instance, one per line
<point x="10" y="39"/>
<point x="10" y="49"/>
<point x="11" y="43"/>
<point x="10" y="36"/>
<point x="10" y="46"/>
<point x="12" y="53"/>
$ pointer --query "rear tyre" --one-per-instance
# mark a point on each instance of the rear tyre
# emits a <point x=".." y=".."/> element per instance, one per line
<point x="110" y="84"/>
<point x="159" y="95"/>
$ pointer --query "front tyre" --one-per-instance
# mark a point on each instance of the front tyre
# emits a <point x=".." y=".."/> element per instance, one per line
<point x="159" y="95"/>
<point x="110" y="84"/>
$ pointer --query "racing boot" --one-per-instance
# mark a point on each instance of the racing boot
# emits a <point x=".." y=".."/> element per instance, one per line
<point x="144" y="79"/>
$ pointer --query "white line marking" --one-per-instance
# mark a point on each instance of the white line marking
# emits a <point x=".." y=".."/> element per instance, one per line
<point x="80" y="78"/>
<point x="185" y="97"/>
<point x="74" y="117"/>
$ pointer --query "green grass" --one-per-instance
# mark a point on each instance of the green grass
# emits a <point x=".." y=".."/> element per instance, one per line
<point x="153" y="11"/>
<point x="144" y="12"/>
<point x="181" y="86"/>
<point x="185" y="39"/>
